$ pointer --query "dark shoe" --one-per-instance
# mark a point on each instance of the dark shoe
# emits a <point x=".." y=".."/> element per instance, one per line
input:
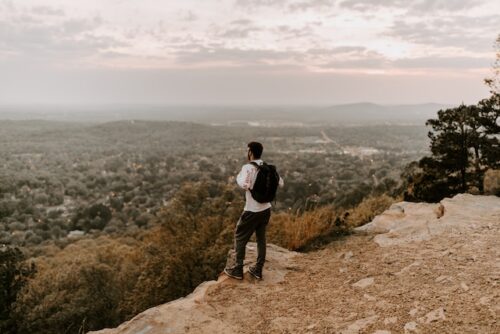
<point x="255" y="271"/>
<point x="234" y="272"/>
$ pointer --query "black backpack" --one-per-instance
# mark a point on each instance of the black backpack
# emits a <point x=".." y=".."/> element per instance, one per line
<point x="266" y="183"/>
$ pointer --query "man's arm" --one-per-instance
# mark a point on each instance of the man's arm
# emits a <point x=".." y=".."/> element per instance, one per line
<point x="244" y="177"/>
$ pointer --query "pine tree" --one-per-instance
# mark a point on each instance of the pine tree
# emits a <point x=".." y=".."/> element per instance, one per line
<point x="464" y="144"/>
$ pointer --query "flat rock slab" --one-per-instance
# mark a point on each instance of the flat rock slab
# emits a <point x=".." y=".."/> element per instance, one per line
<point x="412" y="222"/>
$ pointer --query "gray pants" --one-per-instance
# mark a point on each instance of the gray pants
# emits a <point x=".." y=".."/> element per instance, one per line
<point x="247" y="224"/>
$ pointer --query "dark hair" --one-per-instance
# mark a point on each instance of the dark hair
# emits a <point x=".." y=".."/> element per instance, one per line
<point x="256" y="149"/>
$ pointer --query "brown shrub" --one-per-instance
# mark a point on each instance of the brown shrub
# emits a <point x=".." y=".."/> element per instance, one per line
<point x="368" y="209"/>
<point x="296" y="231"/>
<point x="320" y="226"/>
<point x="491" y="182"/>
<point x="79" y="288"/>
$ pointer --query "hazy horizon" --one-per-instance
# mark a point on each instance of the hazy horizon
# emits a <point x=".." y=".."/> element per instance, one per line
<point x="187" y="104"/>
<point x="249" y="115"/>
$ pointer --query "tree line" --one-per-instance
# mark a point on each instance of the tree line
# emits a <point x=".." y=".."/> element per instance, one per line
<point x="464" y="144"/>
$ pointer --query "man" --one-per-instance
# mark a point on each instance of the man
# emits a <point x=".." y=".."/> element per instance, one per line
<point x="254" y="218"/>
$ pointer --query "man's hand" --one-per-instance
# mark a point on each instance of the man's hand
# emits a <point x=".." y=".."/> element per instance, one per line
<point x="281" y="183"/>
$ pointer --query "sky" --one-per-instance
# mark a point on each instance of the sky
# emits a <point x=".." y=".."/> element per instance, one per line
<point x="247" y="52"/>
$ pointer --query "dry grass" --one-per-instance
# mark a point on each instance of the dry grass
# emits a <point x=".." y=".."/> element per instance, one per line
<point x="299" y="231"/>
<point x="492" y="182"/>
<point x="293" y="231"/>
<point x="368" y="209"/>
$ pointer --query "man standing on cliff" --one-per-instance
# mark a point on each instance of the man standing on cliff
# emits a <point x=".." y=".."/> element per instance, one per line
<point x="260" y="181"/>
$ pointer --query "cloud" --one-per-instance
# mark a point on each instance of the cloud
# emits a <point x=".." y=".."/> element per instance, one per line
<point x="47" y="11"/>
<point x="468" y="33"/>
<point x="374" y="61"/>
<point x="444" y="5"/>
<point x="239" y="29"/>
<point x="235" y="57"/>
<point x="354" y="58"/>
<point x="416" y="6"/>
<point x="311" y="4"/>
<point x="341" y="57"/>
<point x="443" y="63"/>
<point x="260" y="3"/>
<point x="64" y="40"/>
<point x="337" y="50"/>
<point x="6" y="5"/>
<point x="188" y="16"/>
<point x="355" y="64"/>
<point x="242" y="22"/>
<point x="288" y="5"/>
<point x="77" y="26"/>
<point x="365" y="5"/>
<point x="289" y="32"/>
<point x="347" y="58"/>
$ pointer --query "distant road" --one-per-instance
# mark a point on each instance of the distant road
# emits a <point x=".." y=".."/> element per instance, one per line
<point x="330" y="140"/>
<point x="325" y="137"/>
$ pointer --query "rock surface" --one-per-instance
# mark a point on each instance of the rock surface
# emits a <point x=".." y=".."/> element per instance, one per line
<point x="193" y="313"/>
<point x="364" y="283"/>
<point x="405" y="222"/>
<point x="430" y="275"/>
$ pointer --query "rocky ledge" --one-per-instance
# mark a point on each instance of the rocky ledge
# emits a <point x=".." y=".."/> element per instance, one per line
<point x="193" y="311"/>
<point x="416" y="268"/>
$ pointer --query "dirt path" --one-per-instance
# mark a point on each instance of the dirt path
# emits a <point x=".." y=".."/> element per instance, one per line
<point x="448" y="284"/>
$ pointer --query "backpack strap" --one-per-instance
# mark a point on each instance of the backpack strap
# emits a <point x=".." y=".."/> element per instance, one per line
<point x="255" y="164"/>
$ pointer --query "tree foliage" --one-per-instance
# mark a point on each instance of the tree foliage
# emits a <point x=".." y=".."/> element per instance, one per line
<point x="190" y="244"/>
<point x="464" y="144"/>
<point x="14" y="274"/>
<point x="80" y="288"/>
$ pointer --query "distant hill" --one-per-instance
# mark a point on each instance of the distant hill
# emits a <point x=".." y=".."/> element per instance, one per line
<point x="344" y="114"/>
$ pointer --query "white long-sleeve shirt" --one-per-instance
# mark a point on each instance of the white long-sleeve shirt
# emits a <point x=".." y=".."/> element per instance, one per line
<point x="246" y="179"/>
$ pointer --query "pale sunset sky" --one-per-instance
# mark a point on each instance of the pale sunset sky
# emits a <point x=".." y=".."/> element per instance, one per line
<point x="246" y="51"/>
